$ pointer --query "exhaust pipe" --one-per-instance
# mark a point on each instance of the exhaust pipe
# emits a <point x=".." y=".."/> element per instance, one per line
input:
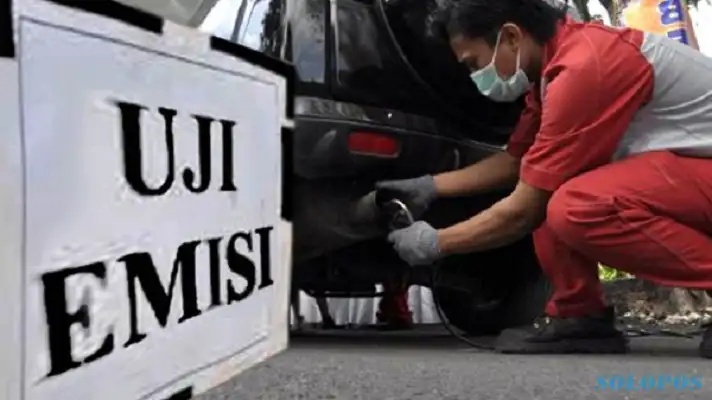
<point x="384" y="210"/>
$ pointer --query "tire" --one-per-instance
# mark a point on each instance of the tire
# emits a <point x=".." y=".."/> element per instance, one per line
<point x="520" y="305"/>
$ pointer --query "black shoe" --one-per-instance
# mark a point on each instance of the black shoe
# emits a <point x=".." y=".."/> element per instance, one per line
<point x="594" y="334"/>
<point x="706" y="344"/>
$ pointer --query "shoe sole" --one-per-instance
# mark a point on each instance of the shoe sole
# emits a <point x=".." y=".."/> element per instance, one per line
<point x="617" y="345"/>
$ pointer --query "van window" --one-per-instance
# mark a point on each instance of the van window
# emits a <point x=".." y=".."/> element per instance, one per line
<point x="263" y="30"/>
<point x="367" y="63"/>
<point x="308" y="24"/>
<point x="251" y="33"/>
<point x="263" y="26"/>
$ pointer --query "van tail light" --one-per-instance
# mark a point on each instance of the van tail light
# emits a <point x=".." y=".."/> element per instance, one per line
<point x="373" y="144"/>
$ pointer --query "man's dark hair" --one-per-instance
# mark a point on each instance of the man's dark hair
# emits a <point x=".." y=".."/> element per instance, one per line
<point x="483" y="18"/>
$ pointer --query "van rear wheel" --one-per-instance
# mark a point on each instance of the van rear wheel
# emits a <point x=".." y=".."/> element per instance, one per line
<point x="517" y="305"/>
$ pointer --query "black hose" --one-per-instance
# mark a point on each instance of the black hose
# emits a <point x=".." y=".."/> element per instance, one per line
<point x="398" y="216"/>
<point x="443" y="320"/>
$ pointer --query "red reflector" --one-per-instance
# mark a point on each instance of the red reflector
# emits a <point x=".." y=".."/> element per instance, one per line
<point x="375" y="144"/>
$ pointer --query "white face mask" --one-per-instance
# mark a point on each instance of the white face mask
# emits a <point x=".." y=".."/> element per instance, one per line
<point x="497" y="89"/>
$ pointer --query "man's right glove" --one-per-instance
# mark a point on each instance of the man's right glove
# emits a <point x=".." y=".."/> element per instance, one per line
<point x="416" y="193"/>
<point x="416" y="244"/>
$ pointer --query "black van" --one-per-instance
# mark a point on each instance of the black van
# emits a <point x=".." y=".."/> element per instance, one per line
<point x="377" y="99"/>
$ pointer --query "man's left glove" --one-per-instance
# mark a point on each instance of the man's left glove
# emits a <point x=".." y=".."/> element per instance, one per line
<point x="416" y="244"/>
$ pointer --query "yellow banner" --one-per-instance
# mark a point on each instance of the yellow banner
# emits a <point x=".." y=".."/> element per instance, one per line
<point x="663" y="17"/>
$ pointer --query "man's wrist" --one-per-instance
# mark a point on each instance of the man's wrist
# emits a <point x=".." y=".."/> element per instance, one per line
<point x="440" y="185"/>
<point x="447" y="242"/>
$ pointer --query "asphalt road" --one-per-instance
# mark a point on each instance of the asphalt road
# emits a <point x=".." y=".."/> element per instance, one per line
<point x="429" y="365"/>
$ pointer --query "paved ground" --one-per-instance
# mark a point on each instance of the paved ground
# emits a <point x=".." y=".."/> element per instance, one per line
<point x="429" y="365"/>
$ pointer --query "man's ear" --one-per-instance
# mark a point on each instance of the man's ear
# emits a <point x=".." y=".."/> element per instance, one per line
<point x="512" y="35"/>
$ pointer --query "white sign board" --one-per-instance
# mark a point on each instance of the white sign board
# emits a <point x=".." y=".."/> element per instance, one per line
<point x="144" y="248"/>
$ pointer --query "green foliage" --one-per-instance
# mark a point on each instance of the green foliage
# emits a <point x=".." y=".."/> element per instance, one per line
<point x="611" y="274"/>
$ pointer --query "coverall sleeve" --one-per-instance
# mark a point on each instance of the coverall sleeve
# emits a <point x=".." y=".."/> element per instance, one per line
<point x="589" y="101"/>
<point x="527" y="126"/>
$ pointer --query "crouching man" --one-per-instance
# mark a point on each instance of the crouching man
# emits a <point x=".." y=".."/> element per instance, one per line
<point x="612" y="161"/>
